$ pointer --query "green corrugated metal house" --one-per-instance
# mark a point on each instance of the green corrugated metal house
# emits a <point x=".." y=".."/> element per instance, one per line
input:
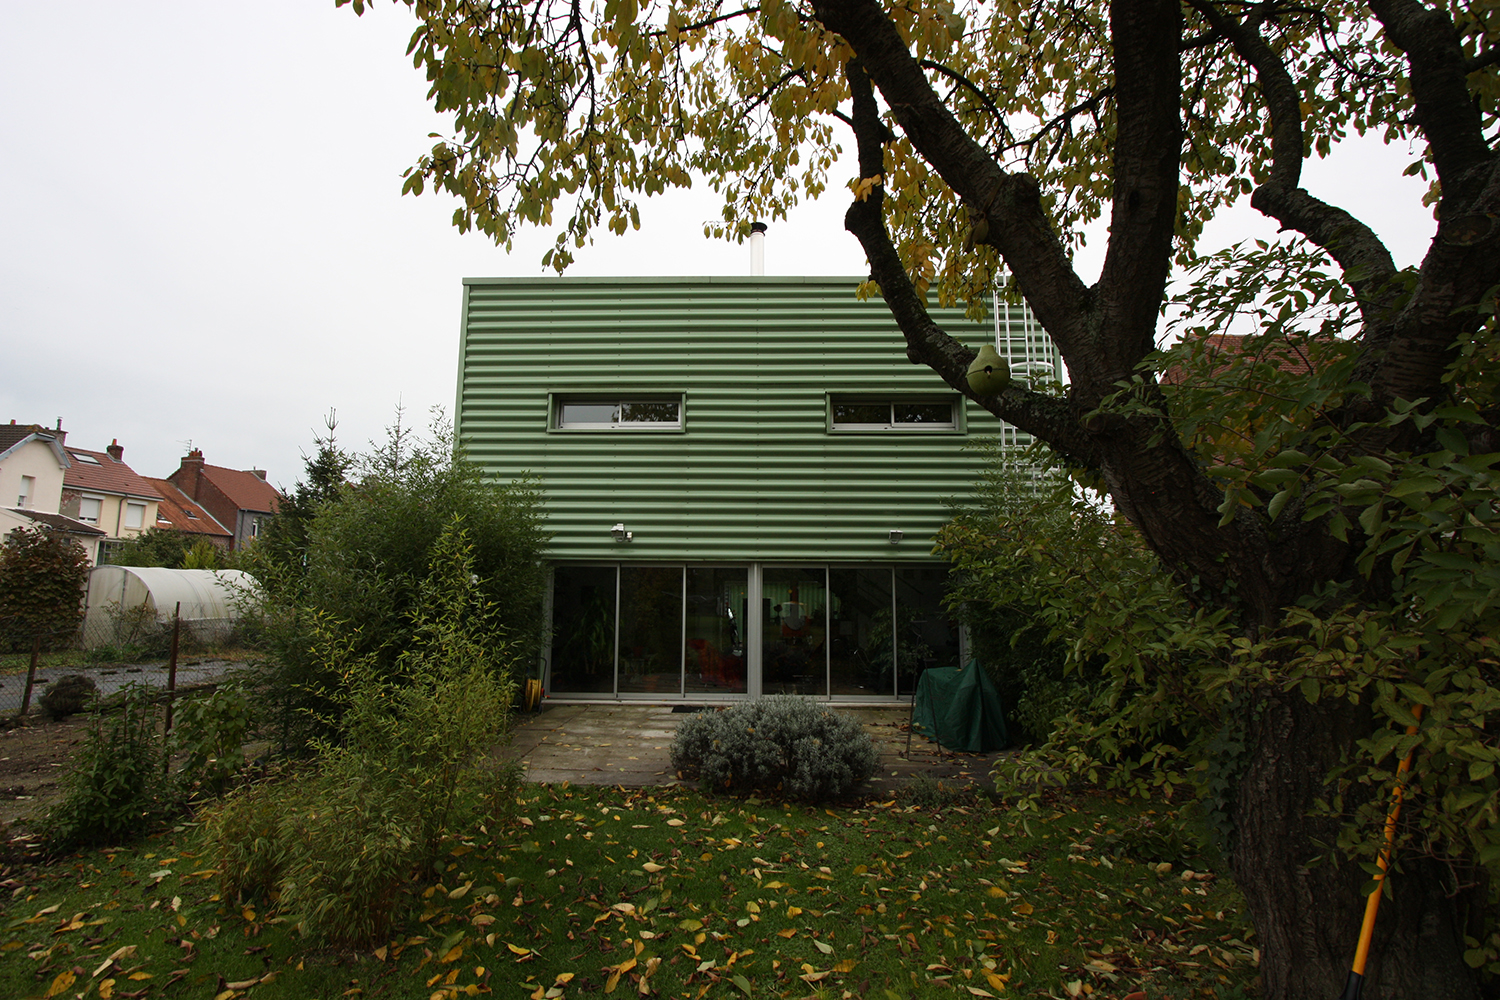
<point x="743" y="475"/>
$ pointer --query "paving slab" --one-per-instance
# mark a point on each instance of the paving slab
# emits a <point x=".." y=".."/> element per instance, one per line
<point x="629" y="745"/>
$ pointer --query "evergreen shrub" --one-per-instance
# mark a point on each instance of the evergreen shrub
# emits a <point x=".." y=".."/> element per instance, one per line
<point x="782" y="743"/>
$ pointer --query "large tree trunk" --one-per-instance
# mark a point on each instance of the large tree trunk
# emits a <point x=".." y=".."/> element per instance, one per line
<point x="1305" y="900"/>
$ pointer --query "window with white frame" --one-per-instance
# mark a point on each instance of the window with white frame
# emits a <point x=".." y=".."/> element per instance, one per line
<point x="28" y="490"/>
<point x="873" y="413"/>
<point x="88" y="509"/>
<point x="135" y="514"/>
<point x="617" y="413"/>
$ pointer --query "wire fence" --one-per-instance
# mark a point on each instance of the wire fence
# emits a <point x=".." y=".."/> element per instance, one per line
<point x="134" y="647"/>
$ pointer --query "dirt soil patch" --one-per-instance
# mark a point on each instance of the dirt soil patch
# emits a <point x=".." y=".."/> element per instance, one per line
<point x="35" y="754"/>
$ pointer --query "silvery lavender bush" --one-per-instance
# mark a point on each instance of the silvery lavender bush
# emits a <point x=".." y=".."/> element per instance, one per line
<point x="781" y="743"/>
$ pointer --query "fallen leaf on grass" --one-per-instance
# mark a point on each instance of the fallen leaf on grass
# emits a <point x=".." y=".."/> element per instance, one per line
<point x="61" y="983"/>
<point x="826" y="949"/>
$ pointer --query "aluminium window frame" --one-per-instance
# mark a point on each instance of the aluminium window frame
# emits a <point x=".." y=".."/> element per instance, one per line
<point x="557" y="399"/>
<point x="834" y="397"/>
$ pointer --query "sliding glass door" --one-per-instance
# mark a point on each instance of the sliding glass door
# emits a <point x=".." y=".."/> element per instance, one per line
<point x="705" y="631"/>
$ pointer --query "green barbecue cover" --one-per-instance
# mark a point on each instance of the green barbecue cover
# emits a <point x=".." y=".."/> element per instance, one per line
<point x="960" y="709"/>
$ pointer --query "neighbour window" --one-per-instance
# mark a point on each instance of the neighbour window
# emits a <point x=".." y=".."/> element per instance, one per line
<point x="28" y="489"/>
<point x="642" y="413"/>
<point x="874" y="414"/>
<point x="86" y="459"/>
<point x="135" y="515"/>
<point x="88" y="509"/>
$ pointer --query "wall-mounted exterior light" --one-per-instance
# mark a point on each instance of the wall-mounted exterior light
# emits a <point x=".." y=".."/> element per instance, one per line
<point x="621" y="535"/>
<point x="896" y="535"/>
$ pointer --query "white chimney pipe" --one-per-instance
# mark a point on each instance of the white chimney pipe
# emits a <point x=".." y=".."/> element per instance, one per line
<point x="757" y="249"/>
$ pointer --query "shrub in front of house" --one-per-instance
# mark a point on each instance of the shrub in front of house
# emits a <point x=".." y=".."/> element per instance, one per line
<point x="782" y="743"/>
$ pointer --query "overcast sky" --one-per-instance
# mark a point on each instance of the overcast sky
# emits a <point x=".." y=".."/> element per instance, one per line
<point x="202" y="236"/>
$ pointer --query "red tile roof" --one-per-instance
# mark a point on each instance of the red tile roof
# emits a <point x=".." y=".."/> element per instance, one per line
<point x="1225" y="350"/>
<point x="245" y="489"/>
<point x="177" y="510"/>
<point x="105" y="475"/>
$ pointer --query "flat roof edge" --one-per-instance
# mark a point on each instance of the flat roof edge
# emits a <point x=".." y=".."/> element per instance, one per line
<point x="714" y="279"/>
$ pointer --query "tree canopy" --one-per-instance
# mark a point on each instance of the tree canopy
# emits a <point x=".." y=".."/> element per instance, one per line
<point x="1337" y="520"/>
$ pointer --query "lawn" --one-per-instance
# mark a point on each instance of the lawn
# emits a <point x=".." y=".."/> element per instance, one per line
<point x="593" y="891"/>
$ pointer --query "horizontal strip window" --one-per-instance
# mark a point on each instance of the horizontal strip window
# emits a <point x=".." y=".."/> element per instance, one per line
<point x="866" y="413"/>
<point x="629" y="413"/>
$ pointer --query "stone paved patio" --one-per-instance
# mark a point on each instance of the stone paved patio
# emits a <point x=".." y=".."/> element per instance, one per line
<point x="628" y="745"/>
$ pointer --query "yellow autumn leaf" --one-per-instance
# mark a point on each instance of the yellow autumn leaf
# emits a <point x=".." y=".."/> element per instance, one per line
<point x="139" y="976"/>
<point x="793" y="911"/>
<point x="787" y="932"/>
<point x="994" y="980"/>
<point x="453" y="955"/>
<point x="1024" y="909"/>
<point x="106" y="989"/>
<point x="61" y="983"/>
<point x="563" y="979"/>
<point x="652" y="867"/>
<point x="847" y="965"/>
<point x="976" y="991"/>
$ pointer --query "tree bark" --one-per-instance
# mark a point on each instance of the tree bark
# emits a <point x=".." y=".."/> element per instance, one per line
<point x="1307" y="901"/>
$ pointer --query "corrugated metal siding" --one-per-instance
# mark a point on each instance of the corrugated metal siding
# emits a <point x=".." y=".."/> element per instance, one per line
<point x="754" y="474"/>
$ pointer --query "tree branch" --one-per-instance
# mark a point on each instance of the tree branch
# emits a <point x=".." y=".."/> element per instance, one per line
<point x="1439" y="89"/>
<point x="1146" y="40"/>
<point x="1018" y="225"/>
<point x="1366" y="263"/>
<point x="1048" y="417"/>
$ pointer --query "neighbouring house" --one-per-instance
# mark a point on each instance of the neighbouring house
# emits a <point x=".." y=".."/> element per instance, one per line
<point x="99" y="489"/>
<point x="34" y="463"/>
<point x="240" y="500"/>
<point x="180" y="512"/>
<point x="743" y="477"/>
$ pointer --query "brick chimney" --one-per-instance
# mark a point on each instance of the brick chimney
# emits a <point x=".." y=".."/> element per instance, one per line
<point x="186" y="476"/>
<point x="115" y="451"/>
<point x="259" y="474"/>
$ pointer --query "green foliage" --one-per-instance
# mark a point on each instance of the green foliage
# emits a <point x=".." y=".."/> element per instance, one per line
<point x="173" y="550"/>
<point x="369" y="547"/>
<point x="209" y="732"/>
<point x="781" y="743"/>
<point x="44" y="576"/>
<point x="117" y="786"/>
<point x="285" y="540"/>
<point x="409" y="765"/>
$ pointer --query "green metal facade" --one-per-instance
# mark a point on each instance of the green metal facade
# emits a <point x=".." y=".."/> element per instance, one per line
<point x="755" y="473"/>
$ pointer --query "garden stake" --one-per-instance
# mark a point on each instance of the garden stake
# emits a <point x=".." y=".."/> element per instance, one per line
<point x="1356" y="979"/>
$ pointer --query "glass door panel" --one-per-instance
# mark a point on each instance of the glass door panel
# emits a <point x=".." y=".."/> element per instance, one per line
<point x="925" y="636"/>
<point x="794" y="651"/>
<point x="718" y="601"/>
<point x="583" y="630"/>
<point x="859" y="632"/>
<point x="651" y="630"/>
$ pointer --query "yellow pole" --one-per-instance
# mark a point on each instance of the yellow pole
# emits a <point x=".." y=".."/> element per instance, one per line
<point x="1382" y="861"/>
